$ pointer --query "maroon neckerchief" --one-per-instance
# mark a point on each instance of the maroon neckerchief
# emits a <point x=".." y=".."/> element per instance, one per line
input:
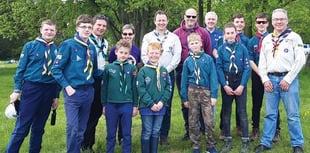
<point x="260" y="37"/>
<point x="276" y="40"/>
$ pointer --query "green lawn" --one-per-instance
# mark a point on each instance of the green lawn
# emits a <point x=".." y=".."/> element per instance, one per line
<point x="54" y="140"/>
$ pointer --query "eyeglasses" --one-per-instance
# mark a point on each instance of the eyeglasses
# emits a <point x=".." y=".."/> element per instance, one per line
<point x="191" y="16"/>
<point x="261" y="22"/>
<point x="279" y="19"/>
<point x="127" y="34"/>
<point x="86" y="27"/>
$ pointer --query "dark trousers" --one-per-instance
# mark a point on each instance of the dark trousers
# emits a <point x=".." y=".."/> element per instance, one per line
<point x="165" y="126"/>
<point x="35" y="106"/>
<point x="184" y="109"/>
<point x="95" y="113"/>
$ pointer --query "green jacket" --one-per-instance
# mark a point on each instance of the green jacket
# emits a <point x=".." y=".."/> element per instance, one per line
<point x="117" y="88"/>
<point x="148" y="88"/>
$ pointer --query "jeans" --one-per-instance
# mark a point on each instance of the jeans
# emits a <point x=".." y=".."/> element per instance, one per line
<point x="165" y="126"/>
<point x="77" y="108"/>
<point x="34" y="109"/>
<point x="150" y="126"/>
<point x="115" y="113"/>
<point x="291" y="102"/>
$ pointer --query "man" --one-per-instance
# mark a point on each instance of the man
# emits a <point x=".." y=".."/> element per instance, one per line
<point x="170" y="59"/>
<point x="254" y="47"/>
<point x="101" y="44"/>
<point x="281" y="59"/>
<point x="187" y="26"/>
<point x="74" y="69"/>
<point x="215" y="33"/>
<point x="37" y="88"/>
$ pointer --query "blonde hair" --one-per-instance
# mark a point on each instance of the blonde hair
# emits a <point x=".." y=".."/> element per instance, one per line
<point x="153" y="46"/>
<point x="193" y="37"/>
<point x="122" y="43"/>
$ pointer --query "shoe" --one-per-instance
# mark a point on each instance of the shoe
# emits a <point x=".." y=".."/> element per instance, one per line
<point x="164" y="141"/>
<point x="276" y="137"/>
<point x="211" y="150"/>
<point x="227" y="146"/>
<point x="222" y="137"/>
<point x="238" y="131"/>
<point x="298" y="150"/>
<point x="260" y="148"/>
<point x="245" y="147"/>
<point x="120" y="141"/>
<point x="185" y="137"/>
<point x="255" y="134"/>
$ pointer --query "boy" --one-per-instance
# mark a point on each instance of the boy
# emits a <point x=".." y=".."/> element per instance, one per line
<point x="199" y="87"/>
<point x="74" y="68"/>
<point x="119" y="96"/>
<point x="37" y="88"/>
<point x="154" y="88"/>
<point x="233" y="73"/>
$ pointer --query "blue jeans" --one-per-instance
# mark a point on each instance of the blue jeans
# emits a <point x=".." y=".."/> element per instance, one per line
<point x="35" y="106"/>
<point x="115" y="113"/>
<point x="150" y="126"/>
<point x="290" y="100"/>
<point x="77" y="108"/>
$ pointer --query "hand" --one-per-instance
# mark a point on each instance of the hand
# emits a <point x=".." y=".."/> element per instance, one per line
<point x="238" y="91"/>
<point x="213" y="101"/>
<point x="134" y="111"/>
<point x="55" y="104"/>
<point x="268" y="86"/>
<point x="14" y="96"/>
<point x="215" y="55"/>
<point x="228" y="90"/>
<point x="186" y="104"/>
<point x="70" y="91"/>
<point x="284" y="85"/>
<point x="103" y="110"/>
<point x="155" y="108"/>
<point x="160" y="105"/>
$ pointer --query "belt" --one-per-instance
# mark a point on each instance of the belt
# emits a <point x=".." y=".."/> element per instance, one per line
<point x="277" y="73"/>
<point x="197" y="87"/>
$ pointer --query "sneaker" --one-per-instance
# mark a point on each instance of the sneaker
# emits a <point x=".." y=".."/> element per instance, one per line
<point x="222" y="137"/>
<point x="260" y="148"/>
<point x="276" y="137"/>
<point x="255" y="134"/>
<point x="238" y="131"/>
<point x="185" y="137"/>
<point x="298" y="149"/>
<point x="211" y="150"/>
<point x="164" y="141"/>
<point x="245" y="147"/>
<point x="227" y="146"/>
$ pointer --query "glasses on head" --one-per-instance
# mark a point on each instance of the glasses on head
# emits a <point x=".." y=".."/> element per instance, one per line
<point x="279" y="19"/>
<point x="127" y="34"/>
<point x="261" y="22"/>
<point x="86" y="27"/>
<point x="191" y="16"/>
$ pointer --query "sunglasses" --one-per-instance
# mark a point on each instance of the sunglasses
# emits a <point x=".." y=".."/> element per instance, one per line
<point x="127" y="34"/>
<point x="261" y="22"/>
<point x="191" y="16"/>
<point x="86" y="27"/>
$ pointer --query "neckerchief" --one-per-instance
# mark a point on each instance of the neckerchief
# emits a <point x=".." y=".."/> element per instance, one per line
<point x="157" y="68"/>
<point x="101" y="46"/>
<point x="260" y="37"/>
<point x="197" y="69"/>
<point x="161" y="41"/>
<point x="238" y="37"/>
<point x="277" y="39"/>
<point x="47" y="54"/>
<point x="89" y="64"/>
<point x="122" y="74"/>
<point x="232" y="56"/>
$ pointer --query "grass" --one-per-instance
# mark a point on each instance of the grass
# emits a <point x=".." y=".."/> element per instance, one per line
<point x="54" y="140"/>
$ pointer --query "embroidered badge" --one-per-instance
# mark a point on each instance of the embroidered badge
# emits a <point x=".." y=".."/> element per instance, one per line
<point x="59" y="57"/>
<point x="78" y="58"/>
<point x="285" y="50"/>
<point x="147" y="80"/>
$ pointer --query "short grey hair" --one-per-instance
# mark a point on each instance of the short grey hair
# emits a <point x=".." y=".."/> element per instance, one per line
<point x="211" y="13"/>
<point x="280" y="10"/>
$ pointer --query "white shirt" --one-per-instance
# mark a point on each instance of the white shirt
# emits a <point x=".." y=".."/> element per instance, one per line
<point x="290" y="57"/>
<point x="172" y="48"/>
<point x="100" y="58"/>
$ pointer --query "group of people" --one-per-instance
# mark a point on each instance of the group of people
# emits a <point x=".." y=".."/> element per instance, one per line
<point x="127" y="80"/>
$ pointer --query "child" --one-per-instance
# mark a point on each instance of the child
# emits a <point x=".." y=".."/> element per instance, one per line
<point x="199" y="87"/>
<point x="233" y="74"/>
<point x="154" y="88"/>
<point x="119" y="96"/>
<point x="73" y="69"/>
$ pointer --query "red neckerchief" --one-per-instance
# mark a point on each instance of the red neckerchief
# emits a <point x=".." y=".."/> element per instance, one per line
<point x="277" y="39"/>
<point x="260" y="37"/>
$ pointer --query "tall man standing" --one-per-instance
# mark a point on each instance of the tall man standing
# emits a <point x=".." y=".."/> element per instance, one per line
<point x="281" y="59"/>
<point x="101" y="44"/>
<point x="170" y="59"/>
<point x="187" y="26"/>
<point x="37" y="88"/>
